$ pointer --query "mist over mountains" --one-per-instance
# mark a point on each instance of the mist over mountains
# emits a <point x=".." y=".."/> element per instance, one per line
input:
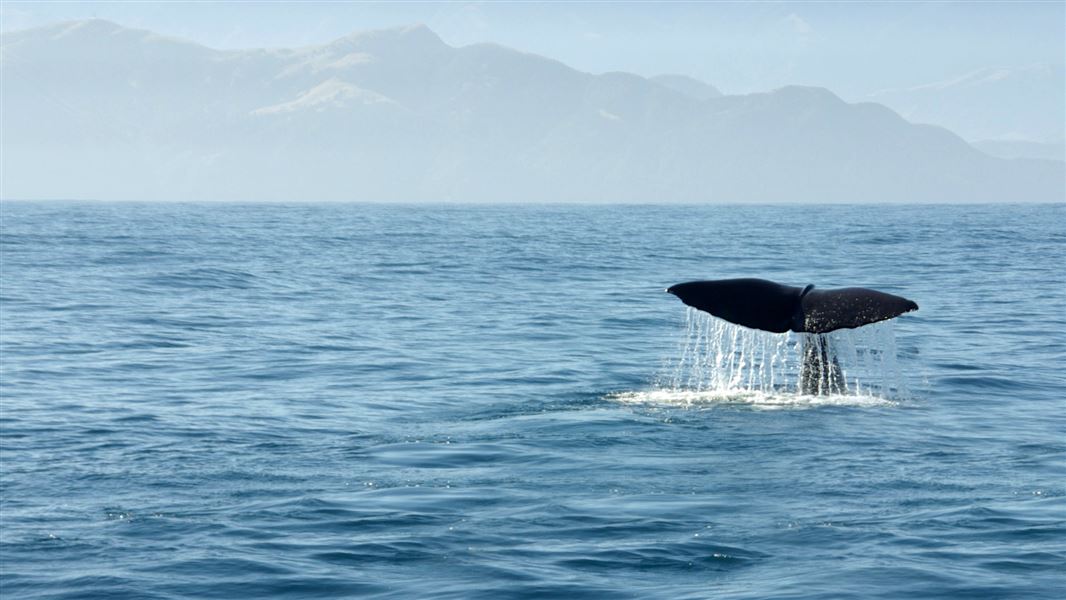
<point x="95" y="110"/>
<point x="1005" y="111"/>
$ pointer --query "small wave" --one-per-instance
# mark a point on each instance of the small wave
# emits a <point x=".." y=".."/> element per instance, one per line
<point x="754" y="398"/>
<point x="205" y="278"/>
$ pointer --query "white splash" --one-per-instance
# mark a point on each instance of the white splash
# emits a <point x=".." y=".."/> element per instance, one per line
<point x="724" y="363"/>
<point x="752" y="398"/>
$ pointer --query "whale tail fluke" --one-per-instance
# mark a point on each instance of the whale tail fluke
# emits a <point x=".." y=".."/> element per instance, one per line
<point x="754" y="303"/>
<point x="777" y="308"/>
<point x="774" y="307"/>
<point x="848" y="308"/>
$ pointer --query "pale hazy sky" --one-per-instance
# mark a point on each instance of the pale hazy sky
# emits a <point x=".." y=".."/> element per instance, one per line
<point x="852" y="48"/>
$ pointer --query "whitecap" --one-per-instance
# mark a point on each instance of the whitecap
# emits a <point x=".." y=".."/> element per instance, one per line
<point x="760" y="399"/>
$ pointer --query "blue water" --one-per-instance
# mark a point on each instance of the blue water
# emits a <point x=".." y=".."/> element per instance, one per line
<point x="225" y="401"/>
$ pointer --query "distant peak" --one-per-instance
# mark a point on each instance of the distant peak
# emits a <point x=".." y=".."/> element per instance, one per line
<point x="806" y="92"/>
<point x="690" y="86"/>
<point x="79" y="27"/>
<point x="417" y="34"/>
<point x="94" y="32"/>
<point x="95" y="24"/>
<point x="87" y="27"/>
<point x="416" y="28"/>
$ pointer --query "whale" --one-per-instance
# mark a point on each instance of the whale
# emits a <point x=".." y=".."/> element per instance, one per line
<point x="779" y="308"/>
<point x="770" y="306"/>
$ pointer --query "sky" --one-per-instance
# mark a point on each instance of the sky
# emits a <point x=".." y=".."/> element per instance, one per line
<point x="855" y="48"/>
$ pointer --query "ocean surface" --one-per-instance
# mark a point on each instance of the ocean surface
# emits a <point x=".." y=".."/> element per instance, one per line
<point x="326" y="401"/>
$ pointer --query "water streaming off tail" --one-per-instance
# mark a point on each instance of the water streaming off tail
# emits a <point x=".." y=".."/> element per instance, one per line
<point x="721" y="358"/>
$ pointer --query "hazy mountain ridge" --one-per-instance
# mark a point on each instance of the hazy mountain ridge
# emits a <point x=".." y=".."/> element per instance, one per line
<point x="689" y="86"/>
<point x="96" y="110"/>
<point x="1003" y="104"/>
<point x="1022" y="149"/>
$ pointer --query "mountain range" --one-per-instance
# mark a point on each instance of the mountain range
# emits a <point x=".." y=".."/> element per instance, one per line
<point x="1004" y="111"/>
<point x="95" y="110"/>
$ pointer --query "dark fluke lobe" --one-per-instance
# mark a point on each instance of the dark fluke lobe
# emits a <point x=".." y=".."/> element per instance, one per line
<point x="774" y="307"/>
